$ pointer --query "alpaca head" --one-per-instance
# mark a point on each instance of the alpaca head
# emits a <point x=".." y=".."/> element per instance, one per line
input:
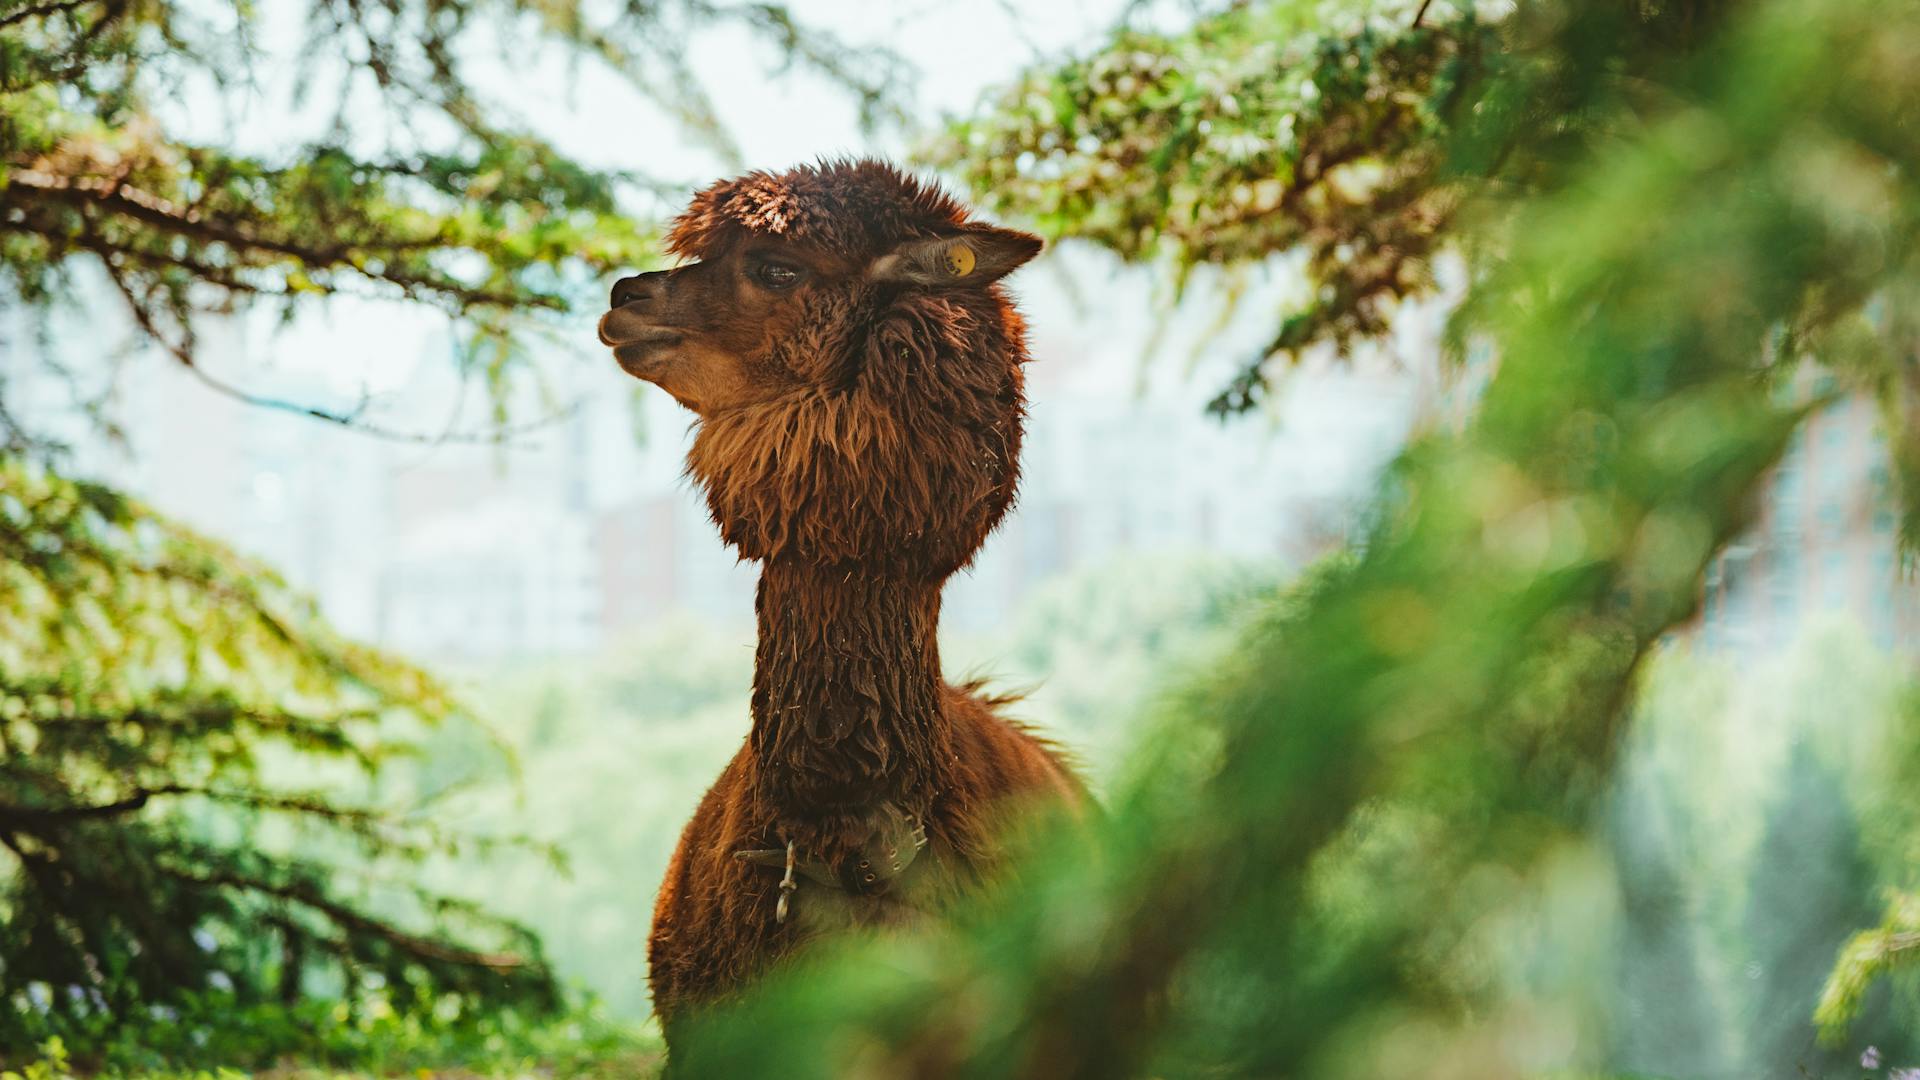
<point x="854" y="367"/>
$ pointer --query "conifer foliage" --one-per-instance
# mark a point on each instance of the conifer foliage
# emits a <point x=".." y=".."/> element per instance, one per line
<point x="161" y="699"/>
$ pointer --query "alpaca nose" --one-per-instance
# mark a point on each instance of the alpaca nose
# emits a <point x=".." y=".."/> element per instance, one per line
<point x="649" y="287"/>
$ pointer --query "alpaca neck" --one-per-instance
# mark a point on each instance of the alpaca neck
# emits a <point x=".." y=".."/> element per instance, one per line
<point x="846" y="691"/>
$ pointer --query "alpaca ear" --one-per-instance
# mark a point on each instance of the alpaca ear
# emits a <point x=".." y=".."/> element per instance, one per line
<point x="975" y="257"/>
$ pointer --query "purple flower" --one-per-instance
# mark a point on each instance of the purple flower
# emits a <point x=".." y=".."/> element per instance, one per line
<point x="1870" y="1058"/>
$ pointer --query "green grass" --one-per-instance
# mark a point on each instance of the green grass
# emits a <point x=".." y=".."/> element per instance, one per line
<point x="216" y="1040"/>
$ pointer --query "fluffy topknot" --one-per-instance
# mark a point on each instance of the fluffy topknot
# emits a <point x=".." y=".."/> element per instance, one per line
<point x="854" y="209"/>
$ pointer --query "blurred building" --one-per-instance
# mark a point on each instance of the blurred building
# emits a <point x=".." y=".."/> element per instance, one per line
<point x="306" y="499"/>
<point x="659" y="555"/>
<point x="507" y="576"/>
<point x="1826" y="542"/>
<point x="1106" y="470"/>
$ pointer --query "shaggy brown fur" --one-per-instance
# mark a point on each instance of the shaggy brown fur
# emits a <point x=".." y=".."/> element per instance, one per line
<point x="856" y="372"/>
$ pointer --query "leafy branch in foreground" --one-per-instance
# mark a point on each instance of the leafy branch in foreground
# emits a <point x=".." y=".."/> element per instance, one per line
<point x="1431" y="726"/>
<point x="166" y="709"/>
<point x="1867" y="957"/>
<point x="1887" y="951"/>
<point x="1273" y="128"/>
<point x="1344" y="136"/>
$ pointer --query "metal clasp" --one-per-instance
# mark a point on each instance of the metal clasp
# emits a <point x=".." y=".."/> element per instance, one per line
<point x="787" y="887"/>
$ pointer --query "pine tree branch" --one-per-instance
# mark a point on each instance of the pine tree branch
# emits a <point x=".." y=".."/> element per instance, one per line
<point x="139" y="798"/>
<point x="96" y="193"/>
<point x="114" y="195"/>
<point x="355" y="921"/>
<point x="43" y="815"/>
<point x="182" y="352"/>
<point x="42" y="10"/>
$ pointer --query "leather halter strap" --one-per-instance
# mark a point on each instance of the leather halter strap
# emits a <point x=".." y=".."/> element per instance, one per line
<point x="895" y="840"/>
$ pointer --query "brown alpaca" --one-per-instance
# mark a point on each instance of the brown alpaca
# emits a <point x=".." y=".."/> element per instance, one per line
<point x="856" y="372"/>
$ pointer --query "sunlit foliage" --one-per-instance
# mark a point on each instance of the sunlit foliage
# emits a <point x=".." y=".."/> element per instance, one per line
<point x="1301" y="128"/>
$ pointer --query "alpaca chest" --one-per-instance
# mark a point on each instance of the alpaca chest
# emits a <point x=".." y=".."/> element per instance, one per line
<point x="885" y="879"/>
<point x="815" y="909"/>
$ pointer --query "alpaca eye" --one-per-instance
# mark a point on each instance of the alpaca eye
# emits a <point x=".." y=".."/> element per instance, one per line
<point x="776" y="275"/>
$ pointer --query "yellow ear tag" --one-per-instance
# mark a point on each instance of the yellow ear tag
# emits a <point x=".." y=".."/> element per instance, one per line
<point x="959" y="260"/>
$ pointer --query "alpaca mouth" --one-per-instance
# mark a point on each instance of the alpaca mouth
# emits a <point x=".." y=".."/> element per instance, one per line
<point x="644" y="359"/>
<point x="642" y="335"/>
<point x="642" y="352"/>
